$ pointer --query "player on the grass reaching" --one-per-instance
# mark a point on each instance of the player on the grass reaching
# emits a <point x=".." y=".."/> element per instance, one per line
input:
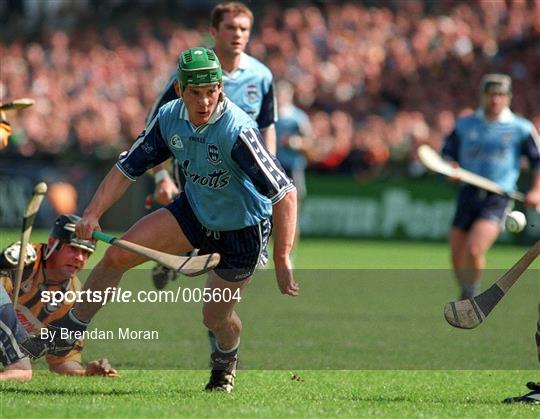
<point x="235" y="190"/>
<point x="52" y="268"/>
<point x="15" y="362"/>
<point x="490" y="143"/>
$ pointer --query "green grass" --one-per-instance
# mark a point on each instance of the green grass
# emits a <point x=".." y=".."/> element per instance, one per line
<point x="367" y="338"/>
<point x="272" y="394"/>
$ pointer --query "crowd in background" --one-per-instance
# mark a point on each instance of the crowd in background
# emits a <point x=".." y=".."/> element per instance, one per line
<point x="375" y="78"/>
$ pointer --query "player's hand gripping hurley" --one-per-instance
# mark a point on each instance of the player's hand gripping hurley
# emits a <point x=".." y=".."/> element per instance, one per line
<point x="433" y="161"/>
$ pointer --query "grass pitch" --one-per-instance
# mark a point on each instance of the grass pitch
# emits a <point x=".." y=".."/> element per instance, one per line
<point x="365" y="338"/>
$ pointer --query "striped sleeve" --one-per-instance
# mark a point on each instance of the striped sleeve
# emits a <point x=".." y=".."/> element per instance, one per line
<point x="148" y="151"/>
<point x="262" y="168"/>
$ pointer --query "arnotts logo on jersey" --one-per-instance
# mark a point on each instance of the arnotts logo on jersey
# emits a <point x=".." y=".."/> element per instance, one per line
<point x="216" y="180"/>
<point x="200" y="140"/>
<point x="212" y="152"/>
<point x="176" y="142"/>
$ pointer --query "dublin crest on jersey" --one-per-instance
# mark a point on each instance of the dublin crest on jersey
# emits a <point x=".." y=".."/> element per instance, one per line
<point x="252" y="93"/>
<point x="212" y="152"/>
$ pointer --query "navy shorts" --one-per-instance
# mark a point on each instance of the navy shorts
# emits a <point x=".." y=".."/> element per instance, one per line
<point x="474" y="203"/>
<point x="11" y="332"/>
<point x="240" y="250"/>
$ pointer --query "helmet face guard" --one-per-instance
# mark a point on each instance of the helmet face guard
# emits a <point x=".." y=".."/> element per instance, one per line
<point x="198" y="67"/>
<point x="64" y="231"/>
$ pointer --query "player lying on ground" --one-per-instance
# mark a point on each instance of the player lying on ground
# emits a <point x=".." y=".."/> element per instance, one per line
<point x="15" y="362"/>
<point x="233" y="187"/>
<point x="490" y="143"/>
<point x="52" y="267"/>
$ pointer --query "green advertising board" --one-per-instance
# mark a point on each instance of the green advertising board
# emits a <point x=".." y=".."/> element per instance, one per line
<point x="419" y="209"/>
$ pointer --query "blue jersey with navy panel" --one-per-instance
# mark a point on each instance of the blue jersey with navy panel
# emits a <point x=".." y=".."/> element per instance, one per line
<point x="250" y="87"/>
<point x="231" y="180"/>
<point x="11" y="331"/>
<point x="292" y="121"/>
<point x="493" y="149"/>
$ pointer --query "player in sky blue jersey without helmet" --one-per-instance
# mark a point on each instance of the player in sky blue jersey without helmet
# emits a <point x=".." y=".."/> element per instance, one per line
<point x="246" y="81"/>
<point x="490" y="143"/>
<point x="233" y="186"/>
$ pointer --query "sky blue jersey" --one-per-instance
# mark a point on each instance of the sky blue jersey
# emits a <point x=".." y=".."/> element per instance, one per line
<point x="493" y="149"/>
<point x="292" y="121"/>
<point x="231" y="179"/>
<point x="250" y="87"/>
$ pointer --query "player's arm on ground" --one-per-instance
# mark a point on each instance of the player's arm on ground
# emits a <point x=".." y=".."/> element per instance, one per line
<point x="270" y="179"/>
<point x="16" y="364"/>
<point x="267" y="119"/>
<point x="531" y="149"/>
<point x="20" y="370"/>
<point x="71" y="364"/>
<point x="165" y="189"/>
<point x="148" y="151"/>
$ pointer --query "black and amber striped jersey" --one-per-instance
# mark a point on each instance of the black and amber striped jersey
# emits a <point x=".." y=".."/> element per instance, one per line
<point x="32" y="312"/>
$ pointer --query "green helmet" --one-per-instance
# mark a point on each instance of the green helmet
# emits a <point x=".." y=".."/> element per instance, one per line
<point x="198" y="66"/>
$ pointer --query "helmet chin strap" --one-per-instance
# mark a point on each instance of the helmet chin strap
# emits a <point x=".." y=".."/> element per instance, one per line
<point x="51" y="249"/>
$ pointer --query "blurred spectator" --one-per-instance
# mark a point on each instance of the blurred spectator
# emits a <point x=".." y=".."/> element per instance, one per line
<point x="376" y="81"/>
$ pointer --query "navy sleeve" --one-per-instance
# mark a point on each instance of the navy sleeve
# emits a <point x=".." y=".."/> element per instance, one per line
<point x="531" y="148"/>
<point x="262" y="168"/>
<point x="148" y="151"/>
<point x="450" y="148"/>
<point x="268" y="114"/>
<point x="166" y="96"/>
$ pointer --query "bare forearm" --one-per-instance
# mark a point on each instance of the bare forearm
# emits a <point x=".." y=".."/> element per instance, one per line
<point x="269" y="136"/>
<point x="68" y="368"/>
<point x="536" y="182"/>
<point x="284" y="220"/>
<point x="111" y="189"/>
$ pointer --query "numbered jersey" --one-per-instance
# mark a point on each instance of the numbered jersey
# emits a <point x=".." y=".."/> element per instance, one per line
<point x="32" y="313"/>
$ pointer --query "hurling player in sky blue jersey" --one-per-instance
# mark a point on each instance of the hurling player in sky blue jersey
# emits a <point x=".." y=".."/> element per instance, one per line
<point x="233" y="186"/>
<point x="246" y="82"/>
<point x="490" y="143"/>
<point x="16" y="364"/>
